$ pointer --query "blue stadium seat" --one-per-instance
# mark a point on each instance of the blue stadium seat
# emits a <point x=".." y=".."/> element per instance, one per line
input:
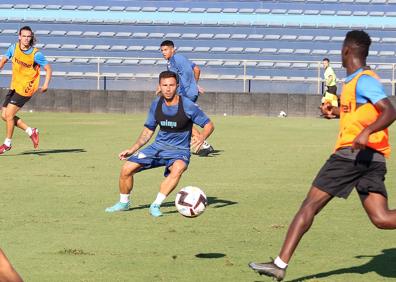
<point x="68" y="46"/>
<point x="21" y="6"/>
<point x="220" y="34"/>
<point x="118" y="47"/>
<point x="106" y="34"/>
<point x="121" y="8"/>
<point x="201" y="49"/>
<point x="74" y="33"/>
<point x="101" y="8"/>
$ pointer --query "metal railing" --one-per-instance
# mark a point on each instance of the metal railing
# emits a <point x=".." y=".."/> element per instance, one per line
<point x="246" y="71"/>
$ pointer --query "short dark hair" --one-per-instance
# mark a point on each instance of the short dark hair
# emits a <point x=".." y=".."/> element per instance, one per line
<point x="167" y="43"/>
<point x="326" y="59"/>
<point x="33" y="39"/>
<point x="168" y="74"/>
<point x="359" y="38"/>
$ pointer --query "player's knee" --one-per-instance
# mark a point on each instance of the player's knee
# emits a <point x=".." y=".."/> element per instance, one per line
<point x="9" y="116"/>
<point x="178" y="169"/>
<point x="127" y="170"/>
<point x="310" y="208"/>
<point x="382" y="222"/>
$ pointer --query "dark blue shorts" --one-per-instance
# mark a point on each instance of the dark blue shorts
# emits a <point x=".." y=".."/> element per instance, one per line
<point x="152" y="157"/>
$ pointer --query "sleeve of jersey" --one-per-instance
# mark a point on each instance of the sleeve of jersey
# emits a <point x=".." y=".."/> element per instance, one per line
<point x="151" y="123"/>
<point x="10" y="51"/>
<point x="194" y="112"/>
<point x="369" y="89"/>
<point x="40" y="59"/>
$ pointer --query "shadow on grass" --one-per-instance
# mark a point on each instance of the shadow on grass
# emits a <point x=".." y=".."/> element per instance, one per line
<point x="210" y="255"/>
<point x="212" y="202"/>
<point x="54" y="151"/>
<point x="210" y="155"/>
<point x="382" y="264"/>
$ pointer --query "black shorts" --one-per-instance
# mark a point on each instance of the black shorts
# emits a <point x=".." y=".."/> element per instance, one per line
<point x="339" y="176"/>
<point x="332" y="89"/>
<point x="15" y="99"/>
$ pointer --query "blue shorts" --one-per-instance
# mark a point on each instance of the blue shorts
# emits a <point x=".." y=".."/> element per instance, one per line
<point x="152" y="157"/>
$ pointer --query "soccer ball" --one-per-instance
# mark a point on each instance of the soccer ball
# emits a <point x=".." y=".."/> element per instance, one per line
<point x="191" y="201"/>
<point x="282" y="114"/>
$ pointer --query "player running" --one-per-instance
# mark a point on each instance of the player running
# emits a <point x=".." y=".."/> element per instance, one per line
<point x="189" y="74"/>
<point x="359" y="157"/>
<point x="26" y="63"/>
<point x="175" y="115"/>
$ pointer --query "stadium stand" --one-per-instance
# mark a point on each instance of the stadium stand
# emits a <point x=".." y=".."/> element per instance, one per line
<point x="281" y="39"/>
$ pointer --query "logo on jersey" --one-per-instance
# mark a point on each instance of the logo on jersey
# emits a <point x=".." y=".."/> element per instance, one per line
<point x="22" y="63"/>
<point x="168" y="123"/>
<point x="140" y="155"/>
<point x="346" y="108"/>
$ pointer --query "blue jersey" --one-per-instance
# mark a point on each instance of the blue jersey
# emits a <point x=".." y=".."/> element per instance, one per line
<point x="368" y="89"/>
<point x="175" y="140"/>
<point x="184" y="68"/>
<point x="38" y="57"/>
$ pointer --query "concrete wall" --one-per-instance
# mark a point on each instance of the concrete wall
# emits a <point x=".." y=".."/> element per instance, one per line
<point x="91" y="101"/>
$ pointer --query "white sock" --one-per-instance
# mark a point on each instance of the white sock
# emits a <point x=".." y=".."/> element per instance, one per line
<point x="160" y="198"/>
<point x="280" y="263"/>
<point x="29" y="131"/>
<point x="7" y="142"/>
<point x="124" y="198"/>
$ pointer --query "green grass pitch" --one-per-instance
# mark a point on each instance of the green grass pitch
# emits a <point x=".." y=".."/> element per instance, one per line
<point x="54" y="228"/>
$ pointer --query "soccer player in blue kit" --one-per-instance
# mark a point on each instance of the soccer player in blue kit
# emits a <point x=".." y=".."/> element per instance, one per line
<point x="188" y="73"/>
<point x="175" y="115"/>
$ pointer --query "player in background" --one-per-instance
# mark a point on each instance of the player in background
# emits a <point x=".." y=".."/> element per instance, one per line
<point x="26" y="64"/>
<point x="330" y="98"/>
<point x="175" y="115"/>
<point x="359" y="156"/>
<point x="189" y="74"/>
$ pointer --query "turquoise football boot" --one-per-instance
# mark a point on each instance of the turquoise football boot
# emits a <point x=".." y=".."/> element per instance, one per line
<point x="118" y="207"/>
<point x="155" y="210"/>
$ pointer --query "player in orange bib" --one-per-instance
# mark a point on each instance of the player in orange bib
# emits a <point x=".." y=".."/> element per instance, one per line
<point x="358" y="160"/>
<point x="26" y="64"/>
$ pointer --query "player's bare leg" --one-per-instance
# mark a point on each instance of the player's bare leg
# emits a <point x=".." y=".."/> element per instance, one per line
<point x="313" y="203"/>
<point x="168" y="185"/>
<point x="8" y="114"/>
<point x="7" y="272"/>
<point x="171" y="181"/>
<point x="125" y="184"/>
<point x="376" y="206"/>
<point x="10" y="119"/>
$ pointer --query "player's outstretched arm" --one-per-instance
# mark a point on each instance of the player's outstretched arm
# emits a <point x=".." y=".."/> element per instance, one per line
<point x="198" y="140"/>
<point x="3" y="61"/>
<point x="385" y="119"/>
<point x="197" y="74"/>
<point x="48" y="75"/>
<point x="144" y="137"/>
